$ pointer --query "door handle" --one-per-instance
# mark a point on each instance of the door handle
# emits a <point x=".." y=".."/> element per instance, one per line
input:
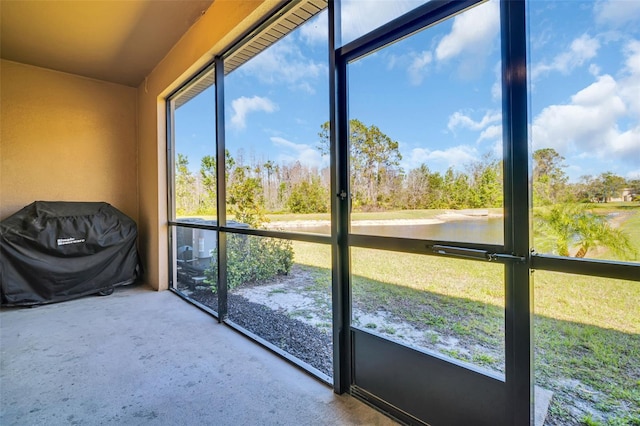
<point x="468" y="253"/>
<point x="496" y="257"/>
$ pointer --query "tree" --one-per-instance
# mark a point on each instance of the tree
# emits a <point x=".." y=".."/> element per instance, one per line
<point x="245" y="197"/>
<point x="252" y="259"/>
<point x="390" y="185"/>
<point x="489" y="185"/>
<point x="634" y="184"/>
<point x="461" y="191"/>
<point x="184" y="187"/>
<point x="269" y="167"/>
<point x="373" y="157"/>
<point x="567" y="224"/>
<point x="208" y="178"/>
<point x="600" y="188"/>
<point x="308" y="197"/>
<point x="608" y="185"/>
<point x="585" y="190"/>
<point x="417" y="191"/>
<point x="449" y="194"/>
<point x="485" y="188"/>
<point x="549" y="178"/>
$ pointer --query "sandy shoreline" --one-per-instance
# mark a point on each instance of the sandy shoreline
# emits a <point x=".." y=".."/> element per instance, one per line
<point x="441" y="218"/>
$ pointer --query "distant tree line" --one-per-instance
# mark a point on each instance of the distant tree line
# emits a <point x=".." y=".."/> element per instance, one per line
<point x="550" y="183"/>
<point x="377" y="182"/>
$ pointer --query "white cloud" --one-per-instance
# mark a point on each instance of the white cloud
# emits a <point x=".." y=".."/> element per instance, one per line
<point x="459" y="119"/>
<point x="632" y="63"/>
<point x="496" y="88"/>
<point x="581" y="50"/>
<point x="472" y="34"/>
<point x="456" y="157"/>
<point x="284" y="63"/>
<point x="489" y="126"/>
<point x="585" y="121"/>
<point x="627" y="144"/>
<point x="589" y="124"/>
<point x="617" y="12"/>
<point x="602" y="91"/>
<point x="491" y="133"/>
<point x="417" y="68"/>
<point x="243" y="106"/>
<point x="630" y="83"/>
<point x="291" y="152"/>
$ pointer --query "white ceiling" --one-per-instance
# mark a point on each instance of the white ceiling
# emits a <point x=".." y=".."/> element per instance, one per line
<point x="120" y="41"/>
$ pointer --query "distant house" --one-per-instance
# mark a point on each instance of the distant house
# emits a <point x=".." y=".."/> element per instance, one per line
<point x="626" y="194"/>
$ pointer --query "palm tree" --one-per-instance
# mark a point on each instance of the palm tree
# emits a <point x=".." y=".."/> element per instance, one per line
<point x="573" y="224"/>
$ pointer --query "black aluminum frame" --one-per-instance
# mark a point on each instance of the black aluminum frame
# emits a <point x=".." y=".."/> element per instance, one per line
<point x="341" y="286"/>
<point x="221" y="227"/>
<point x="422" y="17"/>
<point x="518" y="258"/>
<point x="518" y="289"/>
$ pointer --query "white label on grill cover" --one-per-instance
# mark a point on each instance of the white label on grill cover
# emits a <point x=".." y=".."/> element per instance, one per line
<point x="65" y="241"/>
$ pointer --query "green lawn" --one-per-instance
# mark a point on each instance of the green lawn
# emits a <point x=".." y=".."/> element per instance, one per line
<point x="606" y="303"/>
<point x="587" y="329"/>
<point x="383" y="215"/>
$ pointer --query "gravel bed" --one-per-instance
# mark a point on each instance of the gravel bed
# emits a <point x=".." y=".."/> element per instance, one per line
<point x="301" y="340"/>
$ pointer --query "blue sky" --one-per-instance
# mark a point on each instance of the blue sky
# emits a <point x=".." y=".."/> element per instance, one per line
<point x="438" y="92"/>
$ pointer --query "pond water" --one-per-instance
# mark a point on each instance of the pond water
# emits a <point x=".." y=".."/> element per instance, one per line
<point x="476" y="230"/>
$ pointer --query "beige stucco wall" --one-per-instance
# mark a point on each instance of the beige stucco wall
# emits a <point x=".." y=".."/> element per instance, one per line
<point x="65" y="138"/>
<point x="223" y="23"/>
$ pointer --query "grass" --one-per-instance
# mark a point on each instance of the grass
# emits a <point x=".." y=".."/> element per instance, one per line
<point x="587" y="329"/>
<point x="631" y="227"/>
<point x="382" y="215"/>
<point x="381" y="276"/>
<point x="388" y="330"/>
<point x="288" y="217"/>
<point x="605" y="303"/>
<point x="390" y="214"/>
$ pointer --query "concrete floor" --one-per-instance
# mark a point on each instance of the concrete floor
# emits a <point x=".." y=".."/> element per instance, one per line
<point x="141" y="357"/>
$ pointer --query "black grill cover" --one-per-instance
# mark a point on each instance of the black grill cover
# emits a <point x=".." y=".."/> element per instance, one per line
<point x="54" y="251"/>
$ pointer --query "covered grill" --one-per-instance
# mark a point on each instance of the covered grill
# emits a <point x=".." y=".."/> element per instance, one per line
<point x="55" y="251"/>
